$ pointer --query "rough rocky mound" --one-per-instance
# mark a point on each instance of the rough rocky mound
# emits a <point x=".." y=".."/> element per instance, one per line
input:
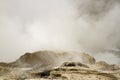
<point x="39" y="58"/>
<point x="78" y="71"/>
<point x="50" y="65"/>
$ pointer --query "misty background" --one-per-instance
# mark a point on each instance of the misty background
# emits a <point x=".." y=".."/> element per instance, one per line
<point x="91" y="26"/>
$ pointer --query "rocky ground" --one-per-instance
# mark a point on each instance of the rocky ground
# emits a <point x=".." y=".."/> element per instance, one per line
<point x="49" y="65"/>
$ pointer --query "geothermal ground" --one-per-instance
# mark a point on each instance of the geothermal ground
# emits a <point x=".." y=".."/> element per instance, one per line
<point x="52" y="65"/>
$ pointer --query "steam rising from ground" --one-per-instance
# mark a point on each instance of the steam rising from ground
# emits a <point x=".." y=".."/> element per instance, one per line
<point x="80" y="25"/>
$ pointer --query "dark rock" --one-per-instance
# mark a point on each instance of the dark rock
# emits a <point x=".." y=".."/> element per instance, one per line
<point x="73" y="64"/>
<point x="44" y="74"/>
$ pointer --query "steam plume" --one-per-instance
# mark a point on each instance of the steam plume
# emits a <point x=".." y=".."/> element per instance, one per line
<point x="80" y="25"/>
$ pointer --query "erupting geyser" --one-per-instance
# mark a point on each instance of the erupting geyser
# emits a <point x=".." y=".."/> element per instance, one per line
<point x="65" y="31"/>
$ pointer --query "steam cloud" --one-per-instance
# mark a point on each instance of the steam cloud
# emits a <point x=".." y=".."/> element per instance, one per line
<point x="81" y="25"/>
